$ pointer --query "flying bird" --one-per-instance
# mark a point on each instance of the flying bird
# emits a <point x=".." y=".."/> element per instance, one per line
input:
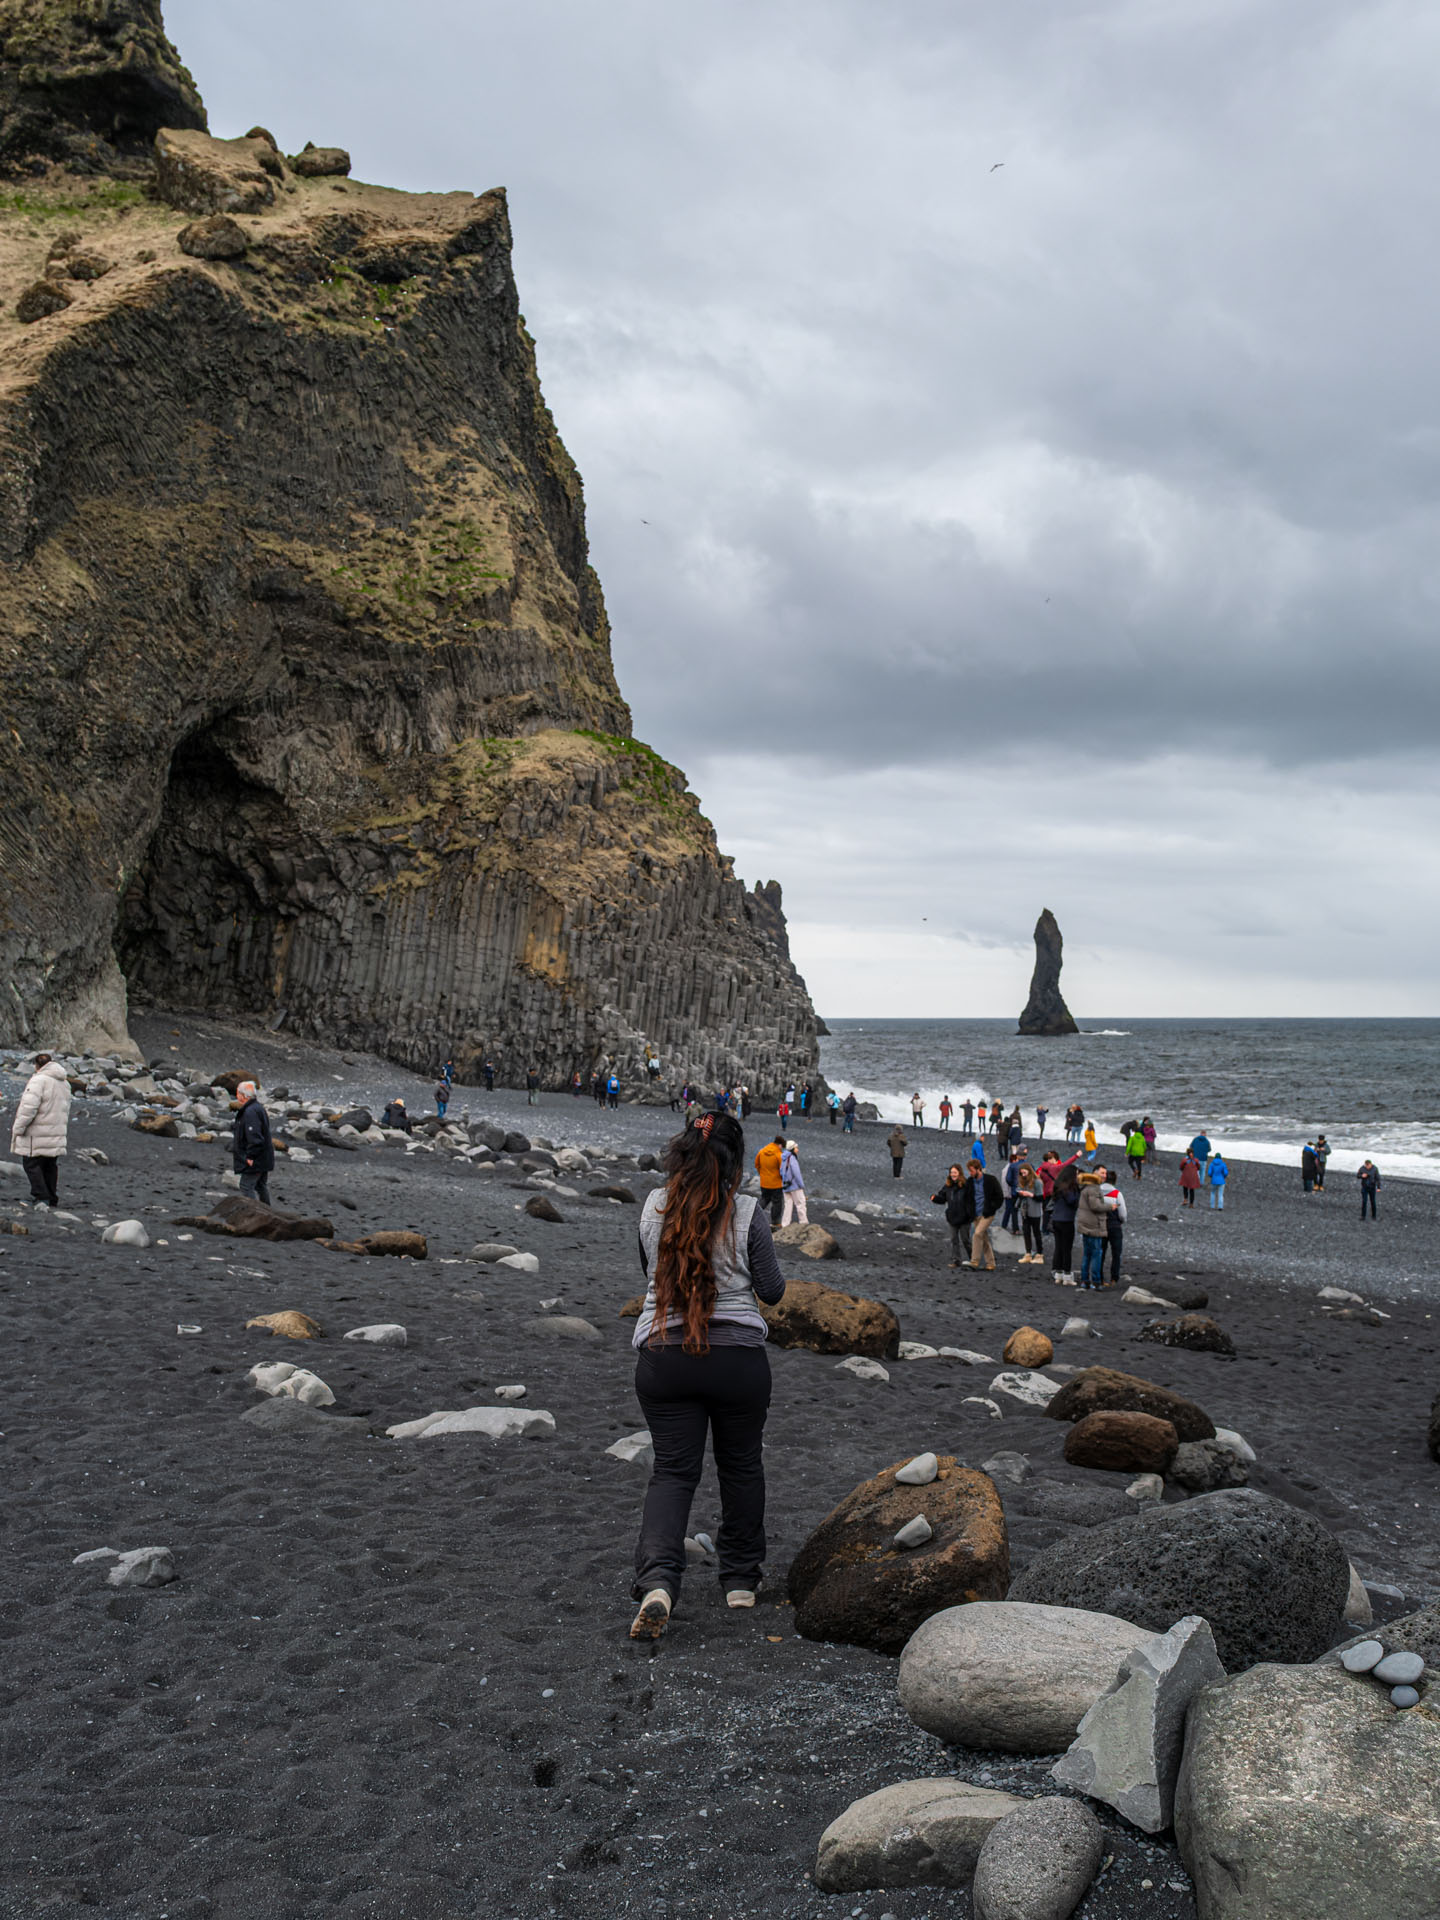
<point x="997" y="166"/>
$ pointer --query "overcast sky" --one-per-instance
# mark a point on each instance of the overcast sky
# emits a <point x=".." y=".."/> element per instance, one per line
<point x="1060" y="532"/>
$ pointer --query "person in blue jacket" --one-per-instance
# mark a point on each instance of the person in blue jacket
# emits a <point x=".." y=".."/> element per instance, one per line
<point x="1217" y="1174"/>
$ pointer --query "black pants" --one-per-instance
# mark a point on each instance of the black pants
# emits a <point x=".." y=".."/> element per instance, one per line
<point x="726" y="1390"/>
<point x="1115" y="1238"/>
<point x="43" y="1171"/>
<point x="256" y="1186"/>
<point x="1064" y="1245"/>
<point x="1034" y="1238"/>
<point x="960" y="1237"/>
<point x="1366" y="1199"/>
<point x="774" y="1199"/>
<point x="897" y="1161"/>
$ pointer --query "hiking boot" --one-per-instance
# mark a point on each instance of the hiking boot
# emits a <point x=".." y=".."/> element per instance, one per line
<point x="654" y="1615"/>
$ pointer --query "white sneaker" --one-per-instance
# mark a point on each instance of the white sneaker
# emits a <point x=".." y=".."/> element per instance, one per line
<point x="654" y="1616"/>
<point x="740" y="1597"/>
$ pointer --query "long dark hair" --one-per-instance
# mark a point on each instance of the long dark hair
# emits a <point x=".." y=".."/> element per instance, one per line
<point x="703" y="1164"/>
<point x="1066" y="1181"/>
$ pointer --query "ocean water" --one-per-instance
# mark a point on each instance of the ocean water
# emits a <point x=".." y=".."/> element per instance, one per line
<point x="1258" y="1088"/>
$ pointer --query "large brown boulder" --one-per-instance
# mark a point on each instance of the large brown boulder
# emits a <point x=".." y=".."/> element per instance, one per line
<point x="289" y="1324"/>
<point x="1028" y="1347"/>
<point x="1122" y="1443"/>
<point x="812" y="1240"/>
<point x="200" y="174"/>
<point x="159" y="1124"/>
<point x="246" y="1219"/>
<point x="824" y="1320"/>
<point x="1105" y="1390"/>
<point x="216" y="237"/>
<point x="851" y="1582"/>
<point x="318" y="163"/>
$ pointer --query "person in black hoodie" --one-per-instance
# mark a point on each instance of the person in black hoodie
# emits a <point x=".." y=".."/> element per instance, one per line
<point x="253" y="1150"/>
<point x="1064" y="1201"/>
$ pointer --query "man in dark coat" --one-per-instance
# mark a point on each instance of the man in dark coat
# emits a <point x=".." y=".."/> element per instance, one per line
<point x="253" y="1149"/>
<point x="971" y="1202"/>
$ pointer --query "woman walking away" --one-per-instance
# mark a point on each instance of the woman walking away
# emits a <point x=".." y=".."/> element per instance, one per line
<point x="700" y="1363"/>
<point x="1189" y="1180"/>
<point x="1135" y="1152"/>
<point x="793" y="1182"/>
<point x="897" y="1144"/>
<point x="41" y="1129"/>
<point x="1032" y="1218"/>
<point x="1093" y="1218"/>
<point x="1064" y="1201"/>
<point x="1217" y="1176"/>
<point x="1091" y="1143"/>
<point x="981" y="1111"/>
<point x="1147" y="1127"/>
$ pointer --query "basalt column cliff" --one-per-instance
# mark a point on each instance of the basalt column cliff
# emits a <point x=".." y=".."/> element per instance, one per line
<point x="309" y="712"/>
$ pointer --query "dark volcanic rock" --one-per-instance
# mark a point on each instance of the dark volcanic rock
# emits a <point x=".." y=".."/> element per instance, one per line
<point x="1122" y="1443"/>
<point x="613" y="1193"/>
<point x="1270" y="1580"/>
<point x="851" y="1582"/>
<point x="360" y="1118"/>
<point x="540" y="1208"/>
<point x="314" y="163"/>
<point x="453" y="810"/>
<point x="1197" y="1331"/>
<point x="1045" y="1010"/>
<point x="291" y="1417"/>
<point x="89" y="86"/>
<point x="216" y="237"/>
<point x="40" y="300"/>
<point x="1105" y="1390"/>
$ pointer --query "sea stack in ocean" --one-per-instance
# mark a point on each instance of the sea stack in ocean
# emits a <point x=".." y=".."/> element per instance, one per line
<point x="1045" y="1010"/>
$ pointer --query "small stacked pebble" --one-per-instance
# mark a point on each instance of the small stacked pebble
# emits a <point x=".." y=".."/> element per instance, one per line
<point x="1398" y="1671"/>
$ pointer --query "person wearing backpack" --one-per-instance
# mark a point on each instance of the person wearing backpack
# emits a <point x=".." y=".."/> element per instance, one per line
<point x="612" y="1091"/>
<point x="849" y="1110"/>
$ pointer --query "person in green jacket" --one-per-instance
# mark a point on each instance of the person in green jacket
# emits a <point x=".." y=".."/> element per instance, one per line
<point x="1135" y="1151"/>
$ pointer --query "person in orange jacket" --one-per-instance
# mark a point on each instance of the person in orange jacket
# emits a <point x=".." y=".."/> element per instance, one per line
<point x="772" y="1186"/>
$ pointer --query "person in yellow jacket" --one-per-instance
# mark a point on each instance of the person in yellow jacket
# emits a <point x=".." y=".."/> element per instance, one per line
<point x="1092" y="1145"/>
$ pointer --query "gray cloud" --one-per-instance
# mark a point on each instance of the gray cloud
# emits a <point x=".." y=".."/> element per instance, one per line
<point x="1120" y="462"/>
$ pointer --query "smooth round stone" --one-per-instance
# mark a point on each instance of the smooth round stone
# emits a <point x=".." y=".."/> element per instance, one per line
<point x="1404" y="1697"/>
<point x="1400" y="1669"/>
<point x="1362" y="1658"/>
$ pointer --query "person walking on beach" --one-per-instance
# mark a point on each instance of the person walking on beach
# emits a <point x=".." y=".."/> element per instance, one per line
<point x="1032" y="1217"/>
<point x="447" y="1073"/>
<point x="1064" y="1203"/>
<point x="1091" y="1143"/>
<point x="849" y="1112"/>
<point x="442" y="1098"/>
<point x="917" y="1110"/>
<point x="1217" y="1174"/>
<point x="772" y="1183"/>
<point x="977" y="1147"/>
<point x="700" y="1363"/>
<point x="1042" y="1114"/>
<point x="40" y="1132"/>
<point x="1135" y="1152"/>
<point x="1092" y="1216"/>
<point x="532" y="1086"/>
<point x="967" y="1116"/>
<point x="985" y="1200"/>
<point x="897" y="1144"/>
<point x="251" y="1147"/>
<point x="792" y="1182"/>
<point x="1189" y="1179"/>
<point x="1010" y="1182"/>
<point x="612" y="1091"/>
<point x="806" y="1096"/>
<point x="1147" y="1127"/>
<point x="488" y="1074"/>
<point x="1307" y="1166"/>
<point x="1369" y="1178"/>
<point x="1322" y="1156"/>
<point x="980" y="1123"/>
<point x="782" y="1112"/>
<point x="945" y="1112"/>
<point x="1200" y="1147"/>
<point x="832" y="1100"/>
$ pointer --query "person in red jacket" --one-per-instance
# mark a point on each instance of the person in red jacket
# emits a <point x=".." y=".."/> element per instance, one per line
<point x="1189" y="1180"/>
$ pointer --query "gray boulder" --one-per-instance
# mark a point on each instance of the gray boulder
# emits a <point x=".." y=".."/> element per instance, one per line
<point x="284" y="1416"/>
<point x="489" y="1252"/>
<point x="1271" y="1580"/>
<point x="1128" y="1749"/>
<point x="918" y="1833"/>
<point x="994" y="1674"/>
<point x="1204" y="1466"/>
<point x="1039" y="1863"/>
<point x="563" y="1326"/>
<point x="1303" y="1792"/>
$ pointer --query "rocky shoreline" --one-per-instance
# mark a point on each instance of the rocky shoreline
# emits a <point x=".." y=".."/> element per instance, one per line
<point x="367" y="1640"/>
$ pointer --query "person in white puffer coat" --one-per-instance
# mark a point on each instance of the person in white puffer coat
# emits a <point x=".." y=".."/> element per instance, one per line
<point x="42" y="1123"/>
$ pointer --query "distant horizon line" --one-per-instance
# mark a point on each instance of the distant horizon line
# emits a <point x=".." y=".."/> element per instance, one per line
<point x="1004" y="1019"/>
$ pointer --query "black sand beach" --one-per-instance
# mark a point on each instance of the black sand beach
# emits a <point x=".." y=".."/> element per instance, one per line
<point x="392" y="1678"/>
